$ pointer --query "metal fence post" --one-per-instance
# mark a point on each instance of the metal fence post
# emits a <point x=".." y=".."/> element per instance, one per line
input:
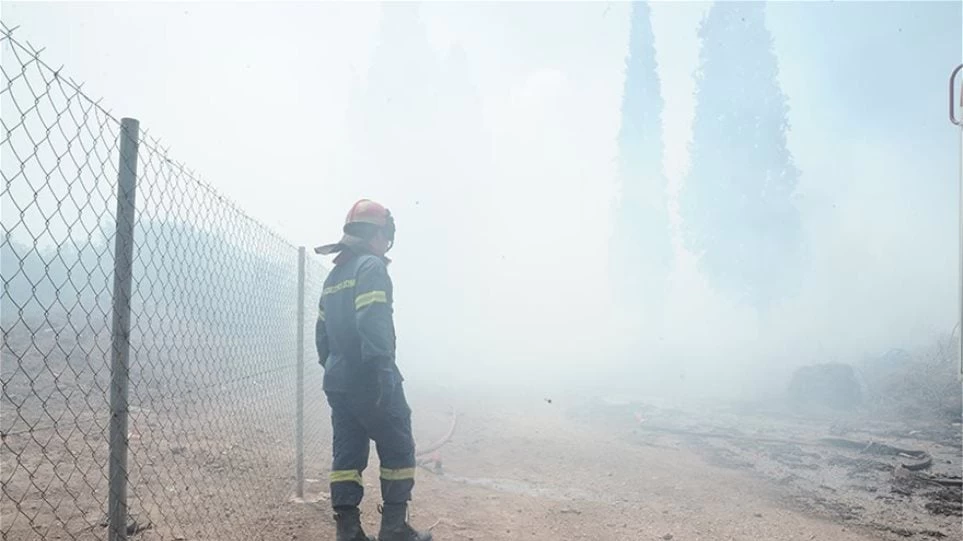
<point x="958" y="121"/>
<point x="120" y="332"/>
<point x="299" y="429"/>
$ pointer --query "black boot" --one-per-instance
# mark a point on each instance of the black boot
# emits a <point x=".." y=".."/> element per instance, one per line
<point x="348" y="520"/>
<point x="395" y="527"/>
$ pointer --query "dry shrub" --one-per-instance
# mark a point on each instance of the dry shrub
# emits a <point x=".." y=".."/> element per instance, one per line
<point x="922" y="384"/>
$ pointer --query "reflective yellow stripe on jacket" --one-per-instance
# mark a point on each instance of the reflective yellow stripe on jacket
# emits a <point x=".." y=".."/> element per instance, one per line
<point x="369" y="298"/>
<point x="345" y="284"/>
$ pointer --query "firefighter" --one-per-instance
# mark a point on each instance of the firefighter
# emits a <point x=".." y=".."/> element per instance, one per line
<point x="355" y="338"/>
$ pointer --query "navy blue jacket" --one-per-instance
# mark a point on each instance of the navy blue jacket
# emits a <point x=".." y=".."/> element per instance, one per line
<point x="355" y="332"/>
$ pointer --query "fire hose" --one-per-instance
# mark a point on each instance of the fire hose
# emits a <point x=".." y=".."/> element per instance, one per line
<point x="425" y="456"/>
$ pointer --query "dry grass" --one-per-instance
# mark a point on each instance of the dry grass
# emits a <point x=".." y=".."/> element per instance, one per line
<point x="922" y="384"/>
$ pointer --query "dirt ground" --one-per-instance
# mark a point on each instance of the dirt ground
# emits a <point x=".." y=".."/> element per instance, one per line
<point x="526" y="468"/>
<point x="219" y="466"/>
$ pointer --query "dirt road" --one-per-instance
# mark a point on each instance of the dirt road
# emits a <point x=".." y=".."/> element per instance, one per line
<point x="524" y="469"/>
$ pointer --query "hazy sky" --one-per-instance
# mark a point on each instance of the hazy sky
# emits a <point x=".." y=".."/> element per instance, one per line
<point x="262" y="101"/>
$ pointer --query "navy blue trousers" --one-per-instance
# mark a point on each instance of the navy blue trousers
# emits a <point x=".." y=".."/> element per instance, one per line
<point x="356" y="421"/>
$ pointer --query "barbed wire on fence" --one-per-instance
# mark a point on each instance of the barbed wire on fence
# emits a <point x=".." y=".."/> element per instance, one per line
<point x="210" y="444"/>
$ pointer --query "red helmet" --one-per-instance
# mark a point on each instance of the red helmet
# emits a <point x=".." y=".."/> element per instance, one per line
<point x="358" y="224"/>
<point x="367" y="211"/>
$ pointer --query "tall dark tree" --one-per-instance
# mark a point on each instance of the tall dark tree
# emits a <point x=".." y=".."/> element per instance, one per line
<point x="641" y="249"/>
<point x="737" y="201"/>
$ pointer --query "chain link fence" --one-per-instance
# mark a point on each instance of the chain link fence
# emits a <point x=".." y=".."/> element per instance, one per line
<point x="199" y="386"/>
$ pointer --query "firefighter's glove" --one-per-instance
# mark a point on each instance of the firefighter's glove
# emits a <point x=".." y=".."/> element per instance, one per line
<point x="386" y="387"/>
